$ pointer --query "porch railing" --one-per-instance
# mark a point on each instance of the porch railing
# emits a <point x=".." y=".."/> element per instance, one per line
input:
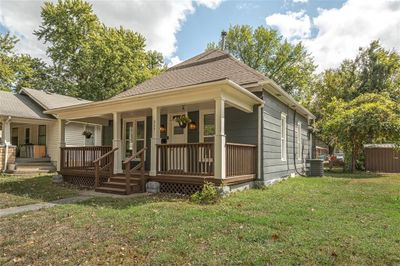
<point x="195" y="159"/>
<point x="81" y="158"/>
<point x="104" y="165"/>
<point x="241" y="159"/>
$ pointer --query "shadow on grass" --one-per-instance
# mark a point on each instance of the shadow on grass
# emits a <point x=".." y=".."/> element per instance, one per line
<point x="339" y="173"/>
<point x="38" y="187"/>
<point x="128" y="202"/>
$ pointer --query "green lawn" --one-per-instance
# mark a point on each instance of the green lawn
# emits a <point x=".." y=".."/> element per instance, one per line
<point x="22" y="190"/>
<point x="330" y="220"/>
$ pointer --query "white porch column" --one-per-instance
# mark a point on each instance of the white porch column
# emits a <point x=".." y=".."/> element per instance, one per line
<point x="61" y="139"/>
<point x="117" y="143"/>
<point x="219" y="149"/>
<point x="155" y="139"/>
<point x="7" y="131"/>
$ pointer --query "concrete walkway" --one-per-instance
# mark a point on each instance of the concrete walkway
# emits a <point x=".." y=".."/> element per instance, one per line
<point x="42" y="205"/>
<point x="83" y="196"/>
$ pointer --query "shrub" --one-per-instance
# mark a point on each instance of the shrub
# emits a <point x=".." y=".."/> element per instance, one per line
<point x="208" y="195"/>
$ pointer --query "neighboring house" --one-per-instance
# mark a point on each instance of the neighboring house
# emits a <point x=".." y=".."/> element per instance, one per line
<point x="244" y="129"/>
<point x="33" y="135"/>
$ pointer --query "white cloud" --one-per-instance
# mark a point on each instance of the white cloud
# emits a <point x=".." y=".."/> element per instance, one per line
<point x="174" y="61"/>
<point x="158" y="21"/>
<point x="341" y="31"/>
<point x="300" y="1"/>
<point x="292" y="25"/>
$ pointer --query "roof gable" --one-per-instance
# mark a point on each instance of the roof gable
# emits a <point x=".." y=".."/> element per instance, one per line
<point x="206" y="67"/>
<point x="50" y="100"/>
<point x="17" y="105"/>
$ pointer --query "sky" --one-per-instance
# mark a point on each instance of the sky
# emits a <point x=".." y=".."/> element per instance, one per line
<point x="331" y="30"/>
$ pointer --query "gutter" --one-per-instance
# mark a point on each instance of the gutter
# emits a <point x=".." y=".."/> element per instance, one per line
<point x="283" y="94"/>
<point x="155" y="94"/>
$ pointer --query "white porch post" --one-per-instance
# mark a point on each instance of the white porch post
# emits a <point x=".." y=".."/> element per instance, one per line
<point x="61" y="140"/>
<point x="7" y="131"/>
<point x="117" y="143"/>
<point x="155" y="139"/>
<point x="219" y="149"/>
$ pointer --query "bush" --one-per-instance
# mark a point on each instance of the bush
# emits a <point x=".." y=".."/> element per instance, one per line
<point x="208" y="195"/>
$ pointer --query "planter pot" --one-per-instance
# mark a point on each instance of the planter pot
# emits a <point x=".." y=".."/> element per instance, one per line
<point x="11" y="167"/>
<point x="182" y="125"/>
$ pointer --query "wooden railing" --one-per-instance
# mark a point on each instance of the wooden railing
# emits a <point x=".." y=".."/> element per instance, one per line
<point x="129" y="170"/>
<point x="195" y="159"/>
<point x="241" y="159"/>
<point x="81" y="158"/>
<point x="104" y="165"/>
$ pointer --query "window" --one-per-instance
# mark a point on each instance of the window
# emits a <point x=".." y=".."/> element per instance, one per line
<point x="283" y="137"/>
<point x="27" y="135"/>
<point x="128" y="139"/>
<point x="207" y="127"/>
<point x="134" y="136"/>
<point x="42" y="135"/>
<point x="299" y="142"/>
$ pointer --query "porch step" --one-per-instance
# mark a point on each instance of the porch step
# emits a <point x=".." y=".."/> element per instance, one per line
<point x="34" y="167"/>
<point x="117" y="185"/>
<point x="111" y="190"/>
<point x="31" y="160"/>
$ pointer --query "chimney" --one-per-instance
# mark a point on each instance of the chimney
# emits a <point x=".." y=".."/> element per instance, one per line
<point x="223" y="36"/>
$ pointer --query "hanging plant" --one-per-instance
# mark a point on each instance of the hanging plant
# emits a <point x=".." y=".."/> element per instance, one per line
<point x="182" y="120"/>
<point x="87" y="133"/>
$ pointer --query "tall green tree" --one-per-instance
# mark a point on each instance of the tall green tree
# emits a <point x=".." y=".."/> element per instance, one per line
<point x="91" y="60"/>
<point x="369" y="118"/>
<point x="19" y="70"/>
<point x="265" y="50"/>
<point x="373" y="70"/>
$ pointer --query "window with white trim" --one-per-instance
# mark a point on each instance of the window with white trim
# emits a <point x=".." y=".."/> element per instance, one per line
<point x="299" y="142"/>
<point x="283" y="137"/>
<point x="207" y="126"/>
<point x="134" y="136"/>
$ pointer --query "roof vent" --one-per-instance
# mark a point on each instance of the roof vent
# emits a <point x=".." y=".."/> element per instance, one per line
<point x="223" y="39"/>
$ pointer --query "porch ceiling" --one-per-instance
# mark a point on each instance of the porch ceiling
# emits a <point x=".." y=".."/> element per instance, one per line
<point x="234" y="95"/>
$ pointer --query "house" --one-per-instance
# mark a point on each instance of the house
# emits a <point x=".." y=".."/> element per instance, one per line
<point x="210" y="118"/>
<point x="32" y="134"/>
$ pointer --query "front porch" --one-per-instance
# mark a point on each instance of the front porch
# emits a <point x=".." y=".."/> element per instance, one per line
<point x="180" y="167"/>
<point x="218" y="143"/>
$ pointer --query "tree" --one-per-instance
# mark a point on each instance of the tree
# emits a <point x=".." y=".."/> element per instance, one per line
<point x="369" y="118"/>
<point x="373" y="70"/>
<point x="265" y="50"/>
<point x="19" y="70"/>
<point x="91" y="60"/>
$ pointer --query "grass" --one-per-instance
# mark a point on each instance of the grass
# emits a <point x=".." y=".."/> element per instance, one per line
<point x="23" y="190"/>
<point x="330" y="220"/>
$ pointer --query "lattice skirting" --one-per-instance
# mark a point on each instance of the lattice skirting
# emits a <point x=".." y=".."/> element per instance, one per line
<point x="187" y="189"/>
<point x="82" y="181"/>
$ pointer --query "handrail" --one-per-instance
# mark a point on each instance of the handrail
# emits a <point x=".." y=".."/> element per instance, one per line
<point x="109" y="165"/>
<point x="134" y="156"/>
<point x="241" y="145"/>
<point x="105" y="155"/>
<point x="129" y="170"/>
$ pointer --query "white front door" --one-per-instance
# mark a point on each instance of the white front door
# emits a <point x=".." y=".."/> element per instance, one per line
<point x="177" y="156"/>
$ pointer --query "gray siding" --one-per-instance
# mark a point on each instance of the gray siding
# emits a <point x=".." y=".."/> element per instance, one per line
<point x="241" y="127"/>
<point x="272" y="164"/>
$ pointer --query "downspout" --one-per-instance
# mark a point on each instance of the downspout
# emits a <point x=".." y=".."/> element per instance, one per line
<point x="294" y="145"/>
<point x="260" y="137"/>
<point x="6" y="145"/>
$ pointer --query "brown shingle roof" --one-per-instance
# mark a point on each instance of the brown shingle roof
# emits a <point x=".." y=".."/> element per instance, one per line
<point x="206" y="67"/>
<point x="17" y="105"/>
<point x="50" y="100"/>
